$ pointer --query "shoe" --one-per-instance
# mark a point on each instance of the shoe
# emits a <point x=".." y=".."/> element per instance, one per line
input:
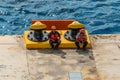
<point x="84" y="49"/>
<point x="78" y="48"/>
<point x="56" y="48"/>
<point x="52" y="48"/>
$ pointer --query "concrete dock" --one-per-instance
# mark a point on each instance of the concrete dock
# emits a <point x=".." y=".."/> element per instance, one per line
<point x="106" y="51"/>
<point x="102" y="62"/>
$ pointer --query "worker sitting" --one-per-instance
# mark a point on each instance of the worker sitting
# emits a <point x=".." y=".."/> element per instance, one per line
<point x="54" y="37"/>
<point x="81" y="38"/>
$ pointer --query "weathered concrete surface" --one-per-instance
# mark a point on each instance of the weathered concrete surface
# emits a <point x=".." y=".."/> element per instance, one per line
<point x="46" y="64"/>
<point x="13" y="62"/>
<point x="17" y="63"/>
<point x="106" y="51"/>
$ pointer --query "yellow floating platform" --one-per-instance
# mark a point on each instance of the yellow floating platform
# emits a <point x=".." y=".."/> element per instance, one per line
<point x="64" y="42"/>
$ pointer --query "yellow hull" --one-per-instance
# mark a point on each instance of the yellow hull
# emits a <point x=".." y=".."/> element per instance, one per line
<point x="64" y="42"/>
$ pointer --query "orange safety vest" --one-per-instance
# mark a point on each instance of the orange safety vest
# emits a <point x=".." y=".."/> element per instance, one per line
<point x="81" y="38"/>
<point x="54" y="36"/>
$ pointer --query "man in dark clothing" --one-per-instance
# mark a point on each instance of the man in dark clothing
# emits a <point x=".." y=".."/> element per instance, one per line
<point x="54" y="37"/>
<point x="81" y="38"/>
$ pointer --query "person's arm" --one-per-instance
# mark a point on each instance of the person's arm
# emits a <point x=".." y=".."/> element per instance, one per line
<point x="58" y="35"/>
<point x="85" y="37"/>
<point x="49" y="36"/>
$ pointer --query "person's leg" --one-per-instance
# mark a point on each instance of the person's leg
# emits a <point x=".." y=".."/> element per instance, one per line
<point x="85" y="44"/>
<point x="51" y="43"/>
<point x="77" y="44"/>
<point x="57" y="44"/>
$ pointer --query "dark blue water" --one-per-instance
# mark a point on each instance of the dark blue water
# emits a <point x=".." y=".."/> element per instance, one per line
<point x="98" y="16"/>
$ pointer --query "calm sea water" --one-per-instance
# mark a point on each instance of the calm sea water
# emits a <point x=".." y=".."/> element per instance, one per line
<point x="98" y="16"/>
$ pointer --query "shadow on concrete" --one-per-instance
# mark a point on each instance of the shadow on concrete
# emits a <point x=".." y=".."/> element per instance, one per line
<point x="87" y="52"/>
<point x="58" y="52"/>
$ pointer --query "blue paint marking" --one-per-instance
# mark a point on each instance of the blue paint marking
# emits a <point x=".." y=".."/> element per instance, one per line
<point x="75" y="76"/>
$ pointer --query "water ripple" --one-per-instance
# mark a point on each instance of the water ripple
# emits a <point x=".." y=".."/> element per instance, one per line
<point x="99" y="16"/>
